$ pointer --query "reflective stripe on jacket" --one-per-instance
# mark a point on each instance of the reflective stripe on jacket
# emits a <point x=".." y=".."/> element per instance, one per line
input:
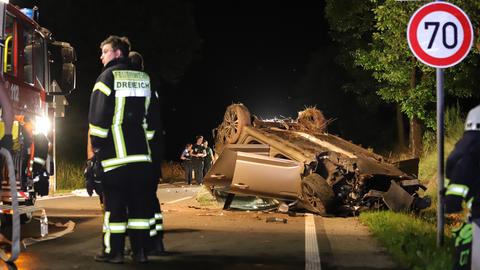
<point x="118" y="122"/>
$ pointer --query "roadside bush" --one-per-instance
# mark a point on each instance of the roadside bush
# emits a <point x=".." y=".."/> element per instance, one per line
<point x="69" y="174"/>
<point x="172" y="172"/>
<point x="411" y="239"/>
<point x="454" y="121"/>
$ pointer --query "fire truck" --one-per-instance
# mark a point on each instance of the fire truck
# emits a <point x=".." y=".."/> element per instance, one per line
<point x="38" y="72"/>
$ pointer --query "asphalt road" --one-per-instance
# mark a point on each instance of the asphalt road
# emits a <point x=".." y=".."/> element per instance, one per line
<point x="206" y="237"/>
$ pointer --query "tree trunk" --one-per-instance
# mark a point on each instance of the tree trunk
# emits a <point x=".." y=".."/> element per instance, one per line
<point x="415" y="123"/>
<point x="400" y="127"/>
<point x="416" y="132"/>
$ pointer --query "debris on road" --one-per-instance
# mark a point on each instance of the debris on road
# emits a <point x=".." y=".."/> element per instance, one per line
<point x="65" y="229"/>
<point x="276" y="219"/>
<point x="211" y="214"/>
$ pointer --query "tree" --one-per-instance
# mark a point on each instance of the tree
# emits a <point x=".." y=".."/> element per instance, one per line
<point x="403" y="80"/>
<point x="352" y="26"/>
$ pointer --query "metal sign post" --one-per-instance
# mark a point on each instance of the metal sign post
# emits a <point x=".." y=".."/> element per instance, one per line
<point x="440" y="35"/>
<point x="440" y="147"/>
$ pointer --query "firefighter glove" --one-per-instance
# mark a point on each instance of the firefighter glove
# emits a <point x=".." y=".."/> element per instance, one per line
<point x="93" y="176"/>
<point x="88" y="174"/>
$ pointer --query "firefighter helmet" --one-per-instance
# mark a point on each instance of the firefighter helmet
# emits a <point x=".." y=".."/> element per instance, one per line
<point x="473" y="120"/>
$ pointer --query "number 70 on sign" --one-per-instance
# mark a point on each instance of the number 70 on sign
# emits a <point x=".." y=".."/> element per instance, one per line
<point x="440" y="34"/>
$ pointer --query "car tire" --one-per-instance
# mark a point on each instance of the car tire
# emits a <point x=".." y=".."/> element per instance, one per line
<point x="235" y="119"/>
<point x="317" y="195"/>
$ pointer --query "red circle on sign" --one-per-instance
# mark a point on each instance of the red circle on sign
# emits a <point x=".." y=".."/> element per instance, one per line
<point x="435" y="61"/>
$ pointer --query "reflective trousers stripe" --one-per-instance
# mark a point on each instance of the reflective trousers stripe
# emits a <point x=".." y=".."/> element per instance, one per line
<point x="106" y="237"/>
<point x="139" y="224"/>
<point x="38" y="160"/>
<point x="119" y="227"/>
<point x="110" y="228"/>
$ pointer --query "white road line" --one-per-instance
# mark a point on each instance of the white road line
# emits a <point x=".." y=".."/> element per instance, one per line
<point x="312" y="256"/>
<point x="54" y="197"/>
<point x="181" y="199"/>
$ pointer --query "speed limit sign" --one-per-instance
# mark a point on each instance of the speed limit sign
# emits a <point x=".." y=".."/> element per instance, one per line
<point x="440" y="34"/>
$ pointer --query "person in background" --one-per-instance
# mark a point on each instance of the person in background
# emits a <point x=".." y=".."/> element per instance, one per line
<point x="209" y="158"/>
<point x="156" y="229"/>
<point x="186" y="158"/>
<point x="198" y="154"/>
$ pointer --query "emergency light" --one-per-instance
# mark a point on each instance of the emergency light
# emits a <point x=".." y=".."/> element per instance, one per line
<point x="28" y="12"/>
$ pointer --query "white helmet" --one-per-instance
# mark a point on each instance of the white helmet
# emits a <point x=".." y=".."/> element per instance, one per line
<point x="473" y="120"/>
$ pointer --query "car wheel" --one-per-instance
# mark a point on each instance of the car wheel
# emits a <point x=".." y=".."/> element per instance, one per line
<point x="317" y="195"/>
<point x="235" y="119"/>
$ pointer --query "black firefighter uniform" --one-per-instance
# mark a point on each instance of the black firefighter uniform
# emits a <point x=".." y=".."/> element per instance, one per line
<point x="119" y="131"/>
<point x="463" y="172"/>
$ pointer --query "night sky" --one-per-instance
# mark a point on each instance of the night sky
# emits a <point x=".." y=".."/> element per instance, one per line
<point x="274" y="57"/>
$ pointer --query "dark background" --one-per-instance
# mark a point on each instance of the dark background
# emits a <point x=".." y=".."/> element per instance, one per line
<point x="275" y="57"/>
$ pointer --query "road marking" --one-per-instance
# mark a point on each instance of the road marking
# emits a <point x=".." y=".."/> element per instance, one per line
<point x="312" y="256"/>
<point x="44" y="198"/>
<point x="181" y="199"/>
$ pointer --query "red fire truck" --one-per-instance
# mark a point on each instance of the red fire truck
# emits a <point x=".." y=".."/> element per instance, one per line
<point x="39" y="71"/>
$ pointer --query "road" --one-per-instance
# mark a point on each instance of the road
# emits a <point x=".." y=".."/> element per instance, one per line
<point x="200" y="237"/>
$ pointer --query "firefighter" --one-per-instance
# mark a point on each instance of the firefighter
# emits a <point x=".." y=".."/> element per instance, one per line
<point x="156" y="229"/>
<point x="463" y="185"/>
<point x="118" y="108"/>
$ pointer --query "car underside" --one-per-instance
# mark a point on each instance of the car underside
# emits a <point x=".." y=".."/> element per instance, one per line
<point x="297" y="161"/>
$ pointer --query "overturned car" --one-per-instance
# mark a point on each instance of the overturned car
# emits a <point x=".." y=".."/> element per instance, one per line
<point x="298" y="162"/>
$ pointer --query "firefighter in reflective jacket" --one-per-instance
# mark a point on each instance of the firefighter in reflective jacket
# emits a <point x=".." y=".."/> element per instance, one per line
<point x="156" y="222"/>
<point x="118" y="132"/>
<point x="463" y="185"/>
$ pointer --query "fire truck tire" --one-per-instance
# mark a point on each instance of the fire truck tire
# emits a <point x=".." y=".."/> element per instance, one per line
<point x="317" y="196"/>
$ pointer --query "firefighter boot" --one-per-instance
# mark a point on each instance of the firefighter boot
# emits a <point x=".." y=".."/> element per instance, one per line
<point x="139" y="256"/>
<point x="158" y="247"/>
<point x="109" y="258"/>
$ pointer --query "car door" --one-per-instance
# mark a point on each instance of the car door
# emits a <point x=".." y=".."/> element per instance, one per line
<point x="246" y="173"/>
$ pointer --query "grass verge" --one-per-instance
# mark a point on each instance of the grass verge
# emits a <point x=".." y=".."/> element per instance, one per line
<point x="411" y="240"/>
<point x="70" y="174"/>
<point x="205" y="197"/>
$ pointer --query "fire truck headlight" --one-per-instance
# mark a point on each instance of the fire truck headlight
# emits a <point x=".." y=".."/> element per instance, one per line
<point x="42" y="125"/>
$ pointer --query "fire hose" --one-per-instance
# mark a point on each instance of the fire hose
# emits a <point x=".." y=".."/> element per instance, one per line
<point x="15" y="250"/>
